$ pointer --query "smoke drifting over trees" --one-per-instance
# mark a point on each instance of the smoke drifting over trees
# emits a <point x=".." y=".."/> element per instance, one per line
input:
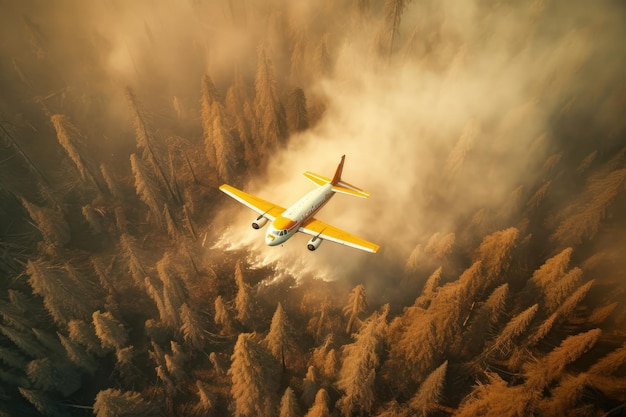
<point x="491" y="135"/>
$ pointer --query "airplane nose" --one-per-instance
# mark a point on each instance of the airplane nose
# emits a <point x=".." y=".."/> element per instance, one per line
<point x="270" y="239"/>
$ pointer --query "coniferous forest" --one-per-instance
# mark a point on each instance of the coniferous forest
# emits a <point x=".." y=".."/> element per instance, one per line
<point x="491" y="133"/>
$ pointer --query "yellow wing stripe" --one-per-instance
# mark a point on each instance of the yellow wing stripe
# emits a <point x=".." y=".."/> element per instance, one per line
<point x="265" y="208"/>
<point x="325" y="231"/>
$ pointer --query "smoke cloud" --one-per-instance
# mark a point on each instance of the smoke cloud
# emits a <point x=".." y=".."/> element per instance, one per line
<point x="444" y="124"/>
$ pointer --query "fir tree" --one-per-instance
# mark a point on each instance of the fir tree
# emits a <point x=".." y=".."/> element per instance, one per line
<point x="320" y="405"/>
<point x="243" y="300"/>
<point x="429" y="392"/>
<point x="115" y="403"/>
<point x="254" y="378"/>
<point x="289" y="404"/>
<point x="356" y="305"/>
<point x="278" y="339"/>
<point x="551" y="366"/>
<point x="109" y="330"/>
<point x="359" y="364"/>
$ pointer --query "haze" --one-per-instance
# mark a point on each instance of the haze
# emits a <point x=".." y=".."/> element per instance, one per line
<point x="491" y="135"/>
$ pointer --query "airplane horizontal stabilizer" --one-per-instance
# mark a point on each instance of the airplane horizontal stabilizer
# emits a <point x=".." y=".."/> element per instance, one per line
<point x="345" y="188"/>
<point x="319" y="180"/>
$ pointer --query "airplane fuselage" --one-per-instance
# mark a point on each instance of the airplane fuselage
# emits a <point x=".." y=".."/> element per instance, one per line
<point x="287" y="224"/>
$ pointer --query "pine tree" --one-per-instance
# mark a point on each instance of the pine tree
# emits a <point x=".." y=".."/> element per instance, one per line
<point x="439" y="246"/>
<point x="331" y="365"/>
<point x="109" y="330"/>
<point x="310" y="386"/>
<point x="535" y="201"/>
<point x="174" y="292"/>
<point x="428" y="292"/>
<point x="610" y="363"/>
<point x="191" y="327"/>
<point x="494" y="252"/>
<point x="25" y="341"/>
<point x="320" y="405"/>
<point x="563" y="398"/>
<point x="555" y="294"/>
<point x="243" y="300"/>
<point x="289" y="404"/>
<point x="69" y="138"/>
<point x="254" y="378"/>
<point x="268" y="109"/>
<point x="429" y="392"/>
<point x="43" y="403"/>
<point x="115" y="403"/>
<point x="486" y="316"/>
<point x="49" y="375"/>
<point x="297" y="114"/>
<point x="78" y="355"/>
<point x="175" y="362"/>
<point x="278" y="339"/>
<point x="146" y="144"/>
<point x="359" y="363"/>
<point x="552" y="269"/>
<point x="85" y="334"/>
<point x="155" y="292"/>
<point x="93" y="219"/>
<point x="222" y="316"/>
<point x="563" y="312"/>
<point x="50" y="222"/>
<point x="551" y="366"/>
<point x="591" y="209"/>
<point x="496" y="399"/>
<point x="209" y="96"/>
<point x="225" y="154"/>
<point x="356" y="305"/>
<point x="147" y="189"/>
<point x="464" y="145"/>
<point x="518" y="325"/>
<point x="64" y="298"/>
<point x="217" y="364"/>
<point x="389" y="33"/>
<point x="413" y="349"/>
<point x="321" y="58"/>
<point x="206" y="400"/>
<point x="111" y="183"/>
<point x="447" y="310"/>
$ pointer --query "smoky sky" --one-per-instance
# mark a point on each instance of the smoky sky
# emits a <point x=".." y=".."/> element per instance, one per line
<point x="464" y="110"/>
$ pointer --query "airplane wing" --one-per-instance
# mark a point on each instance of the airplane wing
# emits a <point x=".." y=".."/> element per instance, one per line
<point x="264" y="208"/>
<point x="325" y="231"/>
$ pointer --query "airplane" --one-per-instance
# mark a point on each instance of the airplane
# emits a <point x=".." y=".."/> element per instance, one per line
<point x="299" y="217"/>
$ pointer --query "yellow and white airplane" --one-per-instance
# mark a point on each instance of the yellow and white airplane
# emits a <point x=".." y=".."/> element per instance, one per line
<point x="299" y="217"/>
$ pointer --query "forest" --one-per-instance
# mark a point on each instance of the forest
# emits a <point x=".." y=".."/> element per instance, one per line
<point x="491" y="134"/>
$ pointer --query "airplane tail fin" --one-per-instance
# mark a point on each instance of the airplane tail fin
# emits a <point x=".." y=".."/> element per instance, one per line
<point x="339" y="186"/>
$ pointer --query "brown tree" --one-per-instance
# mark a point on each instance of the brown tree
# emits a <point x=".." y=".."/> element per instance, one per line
<point x="289" y="404"/>
<point x="359" y="363"/>
<point x="109" y="330"/>
<point x="356" y="305"/>
<point x="254" y="377"/>
<point x="115" y="403"/>
<point x="297" y="114"/>
<point x="278" y="339"/>
<point x="320" y="405"/>
<point x="590" y="210"/>
<point x="551" y="366"/>
<point x="243" y="300"/>
<point x="429" y="393"/>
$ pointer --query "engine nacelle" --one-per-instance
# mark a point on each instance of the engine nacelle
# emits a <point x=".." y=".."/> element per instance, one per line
<point x="259" y="222"/>
<point x="314" y="243"/>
